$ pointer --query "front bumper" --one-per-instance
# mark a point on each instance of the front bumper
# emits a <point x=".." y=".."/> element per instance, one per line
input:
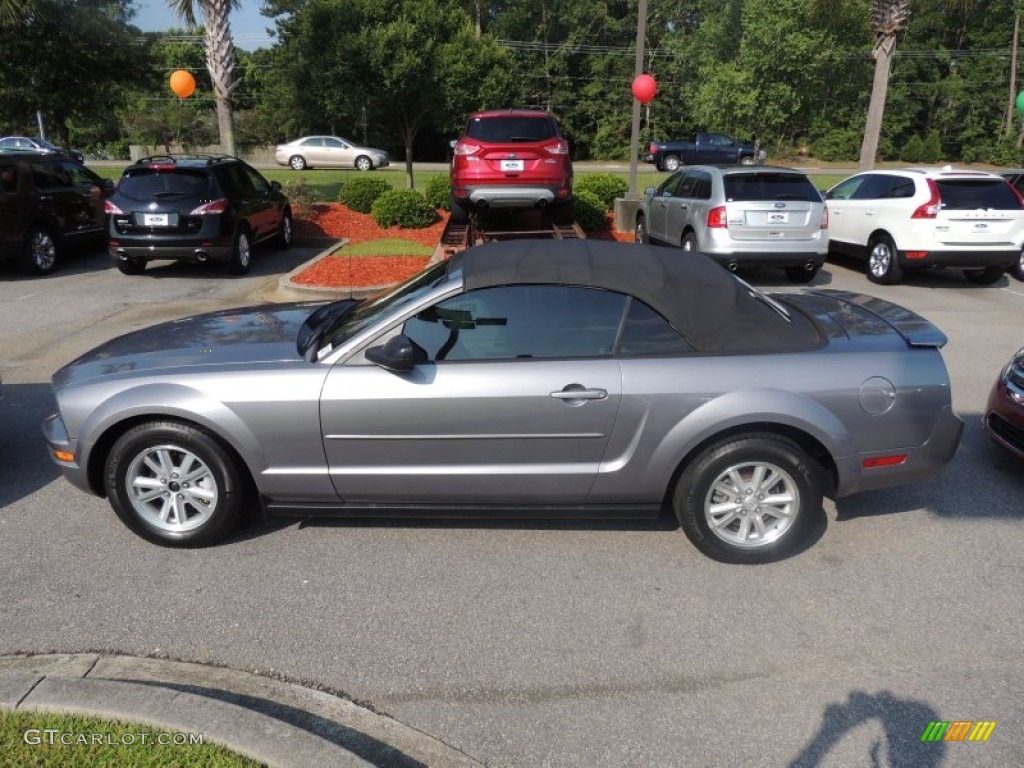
<point x="56" y="435"/>
<point x="1004" y="420"/>
<point x="922" y="461"/>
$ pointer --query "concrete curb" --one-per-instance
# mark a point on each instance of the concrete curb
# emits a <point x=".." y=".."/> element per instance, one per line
<point x="281" y="724"/>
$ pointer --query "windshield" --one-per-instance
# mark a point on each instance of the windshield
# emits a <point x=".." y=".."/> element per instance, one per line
<point x="374" y="308"/>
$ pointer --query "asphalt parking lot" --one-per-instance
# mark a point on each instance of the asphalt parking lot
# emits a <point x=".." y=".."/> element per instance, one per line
<point x="557" y="644"/>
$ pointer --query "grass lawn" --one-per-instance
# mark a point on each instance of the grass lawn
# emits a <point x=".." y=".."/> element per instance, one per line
<point x="387" y="247"/>
<point x="120" y="744"/>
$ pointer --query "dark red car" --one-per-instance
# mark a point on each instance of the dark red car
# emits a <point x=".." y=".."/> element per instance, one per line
<point x="512" y="158"/>
<point x="1004" y="414"/>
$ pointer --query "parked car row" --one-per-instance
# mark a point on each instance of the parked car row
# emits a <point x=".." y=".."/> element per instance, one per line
<point x="896" y="220"/>
<point x="190" y="208"/>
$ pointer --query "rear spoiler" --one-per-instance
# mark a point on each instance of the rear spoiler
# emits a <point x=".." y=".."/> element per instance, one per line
<point x="914" y="329"/>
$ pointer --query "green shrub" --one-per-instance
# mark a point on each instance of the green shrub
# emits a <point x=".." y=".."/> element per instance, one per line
<point x="913" y="150"/>
<point x="300" y="194"/>
<point x="439" y="192"/>
<point x="360" y="192"/>
<point x="839" y="144"/>
<point x="407" y="208"/>
<point x="931" y="148"/>
<point x="589" y="211"/>
<point x="605" y="186"/>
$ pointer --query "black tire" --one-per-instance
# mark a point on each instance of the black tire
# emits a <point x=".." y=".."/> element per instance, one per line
<point x="363" y="163"/>
<point x="460" y="213"/>
<point x="985" y="276"/>
<point x="241" y="253"/>
<point x="283" y="238"/>
<point x="689" y="242"/>
<point x="1017" y="270"/>
<point x="39" y="252"/>
<point x="883" y="265"/>
<point x="132" y="265"/>
<point x="640" y="233"/>
<point x="205" y="487"/>
<point x="297" y="163"/>
<point x="670" y="163"/>
<point x="563" y="213"/>
<point x="747" y="160"/>
<point x="801" y="275"/>
<point x="788" y="474"/>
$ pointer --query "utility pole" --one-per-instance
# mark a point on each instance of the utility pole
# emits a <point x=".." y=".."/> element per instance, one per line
<point x="634" y="144"/>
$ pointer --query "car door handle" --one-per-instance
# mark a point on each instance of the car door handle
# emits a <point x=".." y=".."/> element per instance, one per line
<point x="579" y="393"/>
<point x="869" y="213"/>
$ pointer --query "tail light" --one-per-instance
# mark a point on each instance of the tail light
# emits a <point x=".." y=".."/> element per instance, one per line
<point x="113" y="210"/>
<point x="465" y="148"/>
<point x="716" y="217"/>
<point x="930" y="209"/>
<point x="210" y="208"/>
<point x="161" y="166"/>
<point x="824" y="217"/>
<point x="653" y="148"/>
<point x="560" y="147"/>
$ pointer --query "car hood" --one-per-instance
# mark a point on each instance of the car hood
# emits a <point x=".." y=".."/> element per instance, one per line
<point x="230" y="337"/>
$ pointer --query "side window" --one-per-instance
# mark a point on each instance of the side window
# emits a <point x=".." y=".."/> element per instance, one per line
<point x="520" y="322"/>
<point x="702" y="186"/>
<point x="81" y="177"/>
<point x="8" y="177"/>
<point x="316" y="141"/>
<point x="719" y="140"/>
<point x="645" y="332"/>
<point x="258" y="182"/>
<point x="334" y="143"/>
<point x="685" y="188"/>
<point x="235" y="180"/>
<point x="847" y="189"/>
<point x="49" y="176"/>
<point x="875" y="187"/>
<point x="668" y="186"/>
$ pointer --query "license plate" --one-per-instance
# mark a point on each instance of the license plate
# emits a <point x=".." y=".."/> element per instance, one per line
<point x="778" y="218"/>
<point x="511" y="165"/>
<point x="156" y="219"/>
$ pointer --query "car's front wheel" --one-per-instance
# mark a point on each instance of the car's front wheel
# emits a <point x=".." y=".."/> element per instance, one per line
<point x="39" y="254"/>
<point x="749" y="499"/>
<point x="297" y="162"/>
<point x="283" y="240"/>
<point x="363" y="163"/>
<point x="883" y="263"/>
<point x="241" y="253"/>
<point x="640" y="234"/>
<point x="747" y="160"/>
<point x="174" y="484"/>
<point x="689" y="242"/>
<point x="1017" y="270"/>
<point x="985" y="276"/>
<point x="670" y="163"/>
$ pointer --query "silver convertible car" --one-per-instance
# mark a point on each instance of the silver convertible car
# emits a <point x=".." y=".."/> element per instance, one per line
<point x="517" y="378"/>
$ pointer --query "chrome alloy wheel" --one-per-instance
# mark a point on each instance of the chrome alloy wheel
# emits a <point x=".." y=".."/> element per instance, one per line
<point x="752" y="504"/>
<point x="880" y="260"/>
<point x="171" y="488"/>
<point x="43" y="250"/>
<point x="244" y="250"/>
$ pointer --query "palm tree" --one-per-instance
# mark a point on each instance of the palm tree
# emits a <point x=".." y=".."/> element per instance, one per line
<point x="12" y="11"/>
<point x="888" y="19"/>
<point x="220" y="57"/>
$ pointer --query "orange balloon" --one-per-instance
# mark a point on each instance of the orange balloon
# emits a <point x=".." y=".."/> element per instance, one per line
<point x="182" y="83"/>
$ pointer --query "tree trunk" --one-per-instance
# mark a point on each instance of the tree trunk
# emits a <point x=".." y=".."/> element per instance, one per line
<point x="1011" y="104"/>
<point x="884" y="50"/>
<point x="220" y="60"/>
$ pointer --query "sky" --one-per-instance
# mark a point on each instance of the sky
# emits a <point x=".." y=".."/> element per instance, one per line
<point x="248" y="27"/>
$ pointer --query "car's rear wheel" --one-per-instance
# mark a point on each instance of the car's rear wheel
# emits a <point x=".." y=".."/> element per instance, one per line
<point x="640" y="233"/>
<point x="363" y="163"/>
<point x="241" y="253"/>
<point x="689" y="242"/>
<point x="174" y="484"/>
<point x="1017" y="270"/>
<point x="801" y="274"/>
<point x="883" y="263"/>
<point x="670" y="163"/>
<point x="460" y="213"/>
<point x="297" y="162"/>
<point x="747" y="160"/>
<point x="39" y="254"/>
<point x="749" y="499"/>
<point x="131" y="265"/>
<point x="985" y="276"/>
<point x="283" y="240"/>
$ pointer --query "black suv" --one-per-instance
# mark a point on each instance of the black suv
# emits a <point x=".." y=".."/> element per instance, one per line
<point x="194" y="208"/>
<point x="47" y="203"/>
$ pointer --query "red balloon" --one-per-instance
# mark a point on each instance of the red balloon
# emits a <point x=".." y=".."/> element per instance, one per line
<point x="182" y="83"/>
<point x="644" y="88"/>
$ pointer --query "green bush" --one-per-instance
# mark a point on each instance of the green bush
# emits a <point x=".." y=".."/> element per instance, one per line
<point x="1004" y="153"/>
<point x="604" y="186"/>
<point x="839" y="144"/>
<point x="407" y="208"/>
<point x="439" y="192"/>
<point x="359" y="193"/>
<point x="913" y="150"/>
<point x="590" y="212"/>
<point x="299" y="194"/>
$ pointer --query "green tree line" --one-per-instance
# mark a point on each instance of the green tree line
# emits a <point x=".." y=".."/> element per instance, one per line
<point x="795" y="75"/>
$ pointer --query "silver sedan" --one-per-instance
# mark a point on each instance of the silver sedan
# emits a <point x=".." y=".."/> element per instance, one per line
<point x="517" y="378"/>
<point x="329" y="152"/>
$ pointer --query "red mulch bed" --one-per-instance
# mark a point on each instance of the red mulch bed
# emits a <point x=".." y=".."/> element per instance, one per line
<point x="334" y="220"/>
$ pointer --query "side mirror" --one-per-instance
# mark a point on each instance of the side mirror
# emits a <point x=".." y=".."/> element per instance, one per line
<point x="452" y="143"/>
<point x="649" y="191"/>
<point x="395" y="355"/>
<point x="276" y="186"/>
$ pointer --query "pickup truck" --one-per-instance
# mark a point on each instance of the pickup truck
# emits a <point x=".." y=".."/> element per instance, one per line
<point x="705" y="149"/>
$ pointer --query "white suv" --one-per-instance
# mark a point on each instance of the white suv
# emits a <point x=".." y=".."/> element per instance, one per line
<point x="916" y="217"/>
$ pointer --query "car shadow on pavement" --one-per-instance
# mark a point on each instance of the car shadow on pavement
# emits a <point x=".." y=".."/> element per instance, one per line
<point x="929" y="277"/>
<point x="25" y="465"/>
<point x="767" y="278"/>
<point x="266" y="261"/>
<point x="994" y="477"/>
<point x="903" y="721"/>
<point x="73" y="260"/>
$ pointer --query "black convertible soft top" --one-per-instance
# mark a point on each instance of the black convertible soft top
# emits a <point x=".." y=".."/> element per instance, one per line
<point x="714" y="310"/>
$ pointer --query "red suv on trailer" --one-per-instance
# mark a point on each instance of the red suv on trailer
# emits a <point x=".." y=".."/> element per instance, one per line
<point x="512" y="158"/>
